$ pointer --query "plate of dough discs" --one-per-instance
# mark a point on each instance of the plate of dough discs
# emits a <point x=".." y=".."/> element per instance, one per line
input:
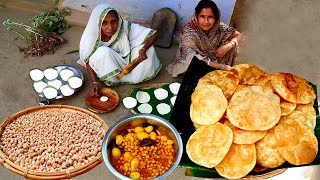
<point x="56" y="82"/>
<point x="157" y="99"/>
<point x="106" y="101"/>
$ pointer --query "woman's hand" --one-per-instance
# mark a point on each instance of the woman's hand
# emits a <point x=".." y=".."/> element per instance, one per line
<point x="94" y="89"/>
<point x="222" y="50"/>
<point x="226" y="67"/>
<point x="142" y="54"/>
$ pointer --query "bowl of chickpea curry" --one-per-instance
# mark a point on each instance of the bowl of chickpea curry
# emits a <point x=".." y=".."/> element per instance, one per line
<point x="142" y="146"/>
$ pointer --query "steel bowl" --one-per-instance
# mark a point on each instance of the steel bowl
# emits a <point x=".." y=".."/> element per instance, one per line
<point x="136" y="120"/>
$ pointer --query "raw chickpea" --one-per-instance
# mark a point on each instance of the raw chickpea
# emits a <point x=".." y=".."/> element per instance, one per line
<point x="148" y="129"/>
<point x="135" y="175"/>
<point x="116" y="152"/>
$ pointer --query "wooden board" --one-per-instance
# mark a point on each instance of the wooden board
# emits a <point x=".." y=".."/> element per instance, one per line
<point x="94" y="103"/>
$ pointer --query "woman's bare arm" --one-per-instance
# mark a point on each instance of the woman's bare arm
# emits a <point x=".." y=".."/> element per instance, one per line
<point x="95" y="84"/>
<point x="149" y="42"/>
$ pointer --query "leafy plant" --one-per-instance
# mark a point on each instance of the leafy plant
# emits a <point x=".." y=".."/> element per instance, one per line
<point x="41" y="35"/>
<point x="51" y="20"/>
<point x="40" y="42"/>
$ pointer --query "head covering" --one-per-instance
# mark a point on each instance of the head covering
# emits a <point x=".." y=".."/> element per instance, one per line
<point x="195" y="42"/>
<point x="91" y="36"/>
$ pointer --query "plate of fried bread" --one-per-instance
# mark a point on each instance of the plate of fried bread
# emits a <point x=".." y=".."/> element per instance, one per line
<point x="246" y="121"/>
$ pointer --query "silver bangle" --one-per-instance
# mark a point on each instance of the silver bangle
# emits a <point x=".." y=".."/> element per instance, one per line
<point x="208" y="62"/>
<point x="236" y="42"/>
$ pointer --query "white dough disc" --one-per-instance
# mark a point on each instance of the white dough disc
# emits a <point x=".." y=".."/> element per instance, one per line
<point x="39" y="86"/>
<point x="161" y="93"/>
<point x="174" y="88"/>
<point x="75" y="82"/>
<point x="145" y="108"/>
<point x="65" y="74"/>
<point x="55" y="83"/>
<point x="50" y="92"/>
<point x="142" y="97"/>
<point x="104" y="98"/>
<point x="163" y="108"/>
<point x="66" y="90"/>
<point x="173" y="100"/>
<point x="50" y="73"/>
<point x="36" y="74"/>
<point x="129" y="102"/>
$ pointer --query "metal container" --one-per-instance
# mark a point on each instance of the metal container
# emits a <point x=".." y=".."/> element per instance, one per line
<point x="136" y="120"/>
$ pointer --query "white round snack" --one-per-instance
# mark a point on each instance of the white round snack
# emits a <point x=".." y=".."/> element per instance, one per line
<point x="161" y="93"/>
<point x="75" y="82"/>
<point x="129" y="102"/>
<point x="36" y="74"/>
<point x="104" y="98"/>
<point x="173" y="100"/>
<point x="174" y="88"/>
<point x="39" y="86"/>
<point x="55" y="83"/>
<point x="50" y="92"/>
<point x="65" y="74"/>
<point x="142" y="97"/>
<point x="66" y="90"/>
<point x="163" y="108"/>
<point x="50" y="73"/>
<point x="145" y="108"/>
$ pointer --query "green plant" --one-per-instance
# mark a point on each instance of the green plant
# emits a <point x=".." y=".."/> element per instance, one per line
<point x="51" y="20"/>
<point x="40" y="42"/>
<point x="41" y="35"/>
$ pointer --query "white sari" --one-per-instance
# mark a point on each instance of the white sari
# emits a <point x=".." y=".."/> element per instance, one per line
<point x="107" y="59"/>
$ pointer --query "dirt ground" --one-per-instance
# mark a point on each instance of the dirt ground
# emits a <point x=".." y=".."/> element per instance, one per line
<point x="280" y="36"/>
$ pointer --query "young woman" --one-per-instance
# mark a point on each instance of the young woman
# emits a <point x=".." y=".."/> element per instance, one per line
<point x="109" y="43"/>
<point x="207" y="38"/>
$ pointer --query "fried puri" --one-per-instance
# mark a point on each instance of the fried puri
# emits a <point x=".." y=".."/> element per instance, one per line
<point x="309" y="113"/>
<point x="293" y="88"/>
<point x="208" y="145"/>
<point x="207" y="105"/>
<point x="267" y="151"/>
<point x="296" y="142"/>
<point x="298" y="115"/>
<point x="239" y="161"/>
<point x="254" y="108"/>
<point x="226" y="80"/>
<point x="241" y="136"/>
<point x="247" y="72"/>
<point x="286" y="107"/>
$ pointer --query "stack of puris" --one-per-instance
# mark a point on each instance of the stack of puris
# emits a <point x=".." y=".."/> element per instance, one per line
<point x="247" y="117"/>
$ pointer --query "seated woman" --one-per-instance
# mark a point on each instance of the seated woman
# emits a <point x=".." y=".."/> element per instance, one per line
<point x="206" y="38"/>
<point x="109" y="43"/>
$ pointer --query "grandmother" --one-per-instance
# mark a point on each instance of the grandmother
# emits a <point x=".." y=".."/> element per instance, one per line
<point x="109" y="43"/>
<point x="206" y="38"/>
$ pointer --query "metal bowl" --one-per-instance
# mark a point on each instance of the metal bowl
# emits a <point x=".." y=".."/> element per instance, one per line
<point x="136" y="120"/>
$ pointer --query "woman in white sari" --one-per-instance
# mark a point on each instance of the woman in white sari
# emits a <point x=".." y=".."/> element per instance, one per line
<point x="109" y="43"/>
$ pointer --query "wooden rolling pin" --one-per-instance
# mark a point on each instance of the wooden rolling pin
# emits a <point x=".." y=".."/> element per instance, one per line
<point x="126" y="70"/>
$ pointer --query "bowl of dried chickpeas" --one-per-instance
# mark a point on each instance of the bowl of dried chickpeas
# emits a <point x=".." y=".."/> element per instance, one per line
<point x="142" y="146"/>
